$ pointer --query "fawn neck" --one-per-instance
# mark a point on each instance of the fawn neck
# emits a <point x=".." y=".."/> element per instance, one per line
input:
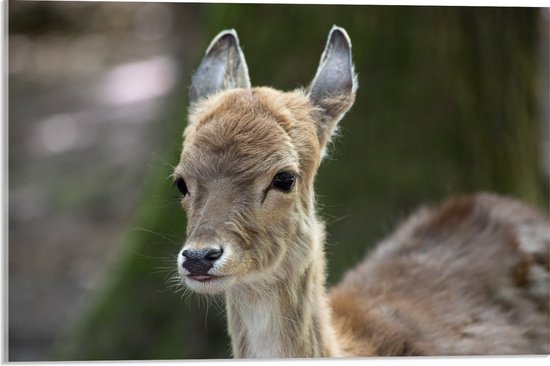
<point x="287" y="315"/>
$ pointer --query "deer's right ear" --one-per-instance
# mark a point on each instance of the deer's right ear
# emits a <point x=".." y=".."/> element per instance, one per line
<point x="333" y="88"/>
<point x="223" y="67"/>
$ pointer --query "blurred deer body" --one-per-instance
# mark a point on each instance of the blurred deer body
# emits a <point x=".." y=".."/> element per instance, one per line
<point x="469" y="277"/>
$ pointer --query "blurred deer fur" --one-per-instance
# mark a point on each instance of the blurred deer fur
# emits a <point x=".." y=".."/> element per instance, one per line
<point x="467" y="277"/>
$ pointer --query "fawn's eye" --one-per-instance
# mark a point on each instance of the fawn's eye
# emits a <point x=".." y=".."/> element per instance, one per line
<point x="284" y="181"/>
<point x="182" y="187"/>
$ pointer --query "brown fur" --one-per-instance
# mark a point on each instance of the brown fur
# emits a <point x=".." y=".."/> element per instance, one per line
<point x="467" y="277"/>
<point x="235" y="143"/>
<point x="454" y="280"/>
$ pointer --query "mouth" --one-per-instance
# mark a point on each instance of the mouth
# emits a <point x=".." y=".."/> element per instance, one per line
<point x="208" y="283"/>
<point x="205" y="278"/>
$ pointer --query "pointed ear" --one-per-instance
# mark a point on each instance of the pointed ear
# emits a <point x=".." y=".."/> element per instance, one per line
<point x="333" y="88"/>
<point x="223" y="67"/>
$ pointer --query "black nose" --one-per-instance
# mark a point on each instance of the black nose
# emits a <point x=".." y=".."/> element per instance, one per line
<point x="198" y="262"/>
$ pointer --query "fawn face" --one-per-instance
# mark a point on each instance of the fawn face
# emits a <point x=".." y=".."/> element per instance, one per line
<point x="248" y="161"/>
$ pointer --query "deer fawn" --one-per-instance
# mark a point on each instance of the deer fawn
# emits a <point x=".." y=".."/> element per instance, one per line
<point x="467" y="277"/>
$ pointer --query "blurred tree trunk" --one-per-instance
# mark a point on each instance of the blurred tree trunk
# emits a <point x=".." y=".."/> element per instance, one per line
<point x="447" y="103"/>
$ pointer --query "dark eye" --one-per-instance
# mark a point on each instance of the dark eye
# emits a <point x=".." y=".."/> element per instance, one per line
<point x="182" y="187"/>
<point x="284" y="181"/>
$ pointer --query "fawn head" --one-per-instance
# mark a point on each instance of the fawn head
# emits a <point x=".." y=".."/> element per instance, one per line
<point x="248" y="163"/>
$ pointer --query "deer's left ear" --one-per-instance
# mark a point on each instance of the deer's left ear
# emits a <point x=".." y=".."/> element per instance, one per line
<point x="333" y="88"/>
<point x="223" y="67"/>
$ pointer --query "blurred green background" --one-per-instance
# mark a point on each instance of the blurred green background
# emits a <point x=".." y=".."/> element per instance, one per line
<point x="450" y="100"/>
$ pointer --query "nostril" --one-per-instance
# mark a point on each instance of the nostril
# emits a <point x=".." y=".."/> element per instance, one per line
<point x="210" y="254"/>
<point x="199" y="262"/>
<point x="213" y="254"/>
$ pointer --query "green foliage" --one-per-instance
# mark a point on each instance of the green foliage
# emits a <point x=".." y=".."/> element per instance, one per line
<point x="446" y="104"/>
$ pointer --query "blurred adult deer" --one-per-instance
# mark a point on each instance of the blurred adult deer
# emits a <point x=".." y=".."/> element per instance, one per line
<point x="467" y="277"/>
